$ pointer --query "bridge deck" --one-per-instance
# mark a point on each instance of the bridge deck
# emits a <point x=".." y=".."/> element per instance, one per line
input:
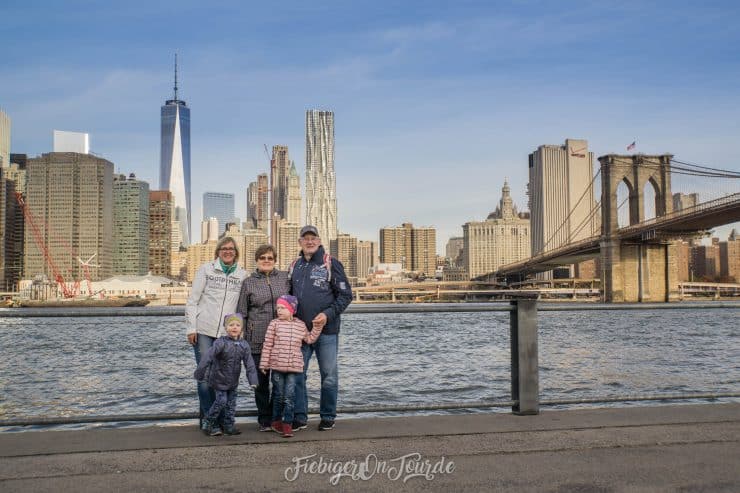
<point x="658" y="448"/>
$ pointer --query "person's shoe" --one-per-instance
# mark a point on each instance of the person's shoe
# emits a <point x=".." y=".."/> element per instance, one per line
<point x="211" y="428"/>
<point x="287" y="430"/>
<point x="326" y="425"/>
<point x="264" y="427"/>
<point x="231" y="430"/>
<point x="298" y="426"/>
<point x="277" y="426"/>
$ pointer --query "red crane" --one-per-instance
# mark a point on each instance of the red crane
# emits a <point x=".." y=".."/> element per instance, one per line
<point x="39" y="239"/>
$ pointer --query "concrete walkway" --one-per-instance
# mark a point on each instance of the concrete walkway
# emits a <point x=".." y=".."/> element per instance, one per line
<point x="659" y="448"/>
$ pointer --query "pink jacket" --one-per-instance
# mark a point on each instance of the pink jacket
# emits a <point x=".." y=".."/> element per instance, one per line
<point x="282" y="348"/>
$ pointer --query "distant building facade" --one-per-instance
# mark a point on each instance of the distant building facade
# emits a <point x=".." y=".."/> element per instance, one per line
<point x="160" y="232"/>
<point x="344" y="248"/>
<point x="729" y="258"/>
<point x="454" y="250"/>
<point x="683" y="201"/>
<point x="258" y="211"/>
<point x="503" y="238"/>
<point x="4" y="139"/>
<point x="414" y="248"/>
<point x="130" y="226"/>
<point x="12" y="181"/>
<point x="72" y="193"/>
<point x="367" y="257"/>
<point x="561" y="197"/>
<point x="287" y="243"/>
<point x="220" y="206"/>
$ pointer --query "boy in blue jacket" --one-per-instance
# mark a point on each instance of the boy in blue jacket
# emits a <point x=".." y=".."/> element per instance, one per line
<point x="221" y="368"/>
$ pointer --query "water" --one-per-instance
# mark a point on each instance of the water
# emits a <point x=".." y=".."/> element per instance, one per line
<point x="141" y="365"/>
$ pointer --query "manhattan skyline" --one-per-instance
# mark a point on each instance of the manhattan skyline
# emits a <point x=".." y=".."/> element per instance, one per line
<point x="435" y="103"/>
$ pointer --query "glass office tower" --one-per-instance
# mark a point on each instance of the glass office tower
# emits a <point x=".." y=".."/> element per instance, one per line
<point x="174" y="164"/>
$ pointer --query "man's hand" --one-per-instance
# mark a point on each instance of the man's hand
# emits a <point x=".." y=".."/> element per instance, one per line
<point x="193" y="338"/>
<point x="319" y="321"/>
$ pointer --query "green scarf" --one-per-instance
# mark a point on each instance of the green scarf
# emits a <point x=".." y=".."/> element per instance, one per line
<point x="228" y="269"/>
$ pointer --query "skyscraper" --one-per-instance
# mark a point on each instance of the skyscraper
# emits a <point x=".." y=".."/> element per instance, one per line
<point x="220" y="206"/>
<point x="561" y="195"/>
<point x="257" y="204"/>
<point x="293" y="212"/>
<point x="321" y="185"/>
<point x="130" y="226"/>
<point x="4" y="139"/>
<point x="70" y="196"/>
<point x="174" y="159"/>
<point x="279" y="172"/>
<point x="160" y="232"/>
<point x="12" y="181"/>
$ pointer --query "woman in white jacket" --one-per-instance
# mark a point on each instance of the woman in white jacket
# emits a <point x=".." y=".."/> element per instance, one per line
<point x="215" y="293"/>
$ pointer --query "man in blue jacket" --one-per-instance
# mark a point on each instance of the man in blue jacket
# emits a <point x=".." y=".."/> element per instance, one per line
<point x="323" y="292"/>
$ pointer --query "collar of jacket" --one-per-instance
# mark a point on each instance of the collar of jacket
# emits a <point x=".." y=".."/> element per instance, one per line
<point x="316" y="258"/>
<point x="217" y="266"/>
<point x="258" y="273"/>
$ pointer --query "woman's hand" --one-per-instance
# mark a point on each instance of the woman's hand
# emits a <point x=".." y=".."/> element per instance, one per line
<point x="193" y="338"/>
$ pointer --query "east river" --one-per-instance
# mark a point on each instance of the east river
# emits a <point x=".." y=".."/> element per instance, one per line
<point x="142" y="364"/>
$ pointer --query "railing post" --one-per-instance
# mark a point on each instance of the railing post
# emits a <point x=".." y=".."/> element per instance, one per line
<point x="525" y="380"/>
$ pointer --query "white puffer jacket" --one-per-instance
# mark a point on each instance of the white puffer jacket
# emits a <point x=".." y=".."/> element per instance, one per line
<point x="214" y="295"/>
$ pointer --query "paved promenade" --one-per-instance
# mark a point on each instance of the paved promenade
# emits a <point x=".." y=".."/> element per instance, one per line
<point x="656" y="448"/>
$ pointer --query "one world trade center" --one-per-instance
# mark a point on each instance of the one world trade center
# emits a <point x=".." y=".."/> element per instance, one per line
<point x="174" y="160"/>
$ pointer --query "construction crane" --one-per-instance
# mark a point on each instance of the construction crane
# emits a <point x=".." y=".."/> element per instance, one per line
<point x="38" y="238"/>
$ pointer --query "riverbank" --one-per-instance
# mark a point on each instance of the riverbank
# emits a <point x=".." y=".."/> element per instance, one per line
<point x="660" y="448"/>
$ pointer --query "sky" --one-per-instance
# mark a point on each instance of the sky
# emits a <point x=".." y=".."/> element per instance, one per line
<point x="436" y="103"/>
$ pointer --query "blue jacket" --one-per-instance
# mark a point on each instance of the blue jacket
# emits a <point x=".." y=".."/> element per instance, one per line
<point x="318" y="292"/>
<point x="222" y="365"/>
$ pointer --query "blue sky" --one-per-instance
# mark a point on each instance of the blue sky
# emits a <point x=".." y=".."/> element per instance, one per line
<point x="436" y="103"/>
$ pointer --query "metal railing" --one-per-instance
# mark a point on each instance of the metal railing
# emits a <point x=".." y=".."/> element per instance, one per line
<point x="523" y="328"/>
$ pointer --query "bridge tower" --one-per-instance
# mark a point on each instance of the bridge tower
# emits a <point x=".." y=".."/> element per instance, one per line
<point x="643" y="269"/>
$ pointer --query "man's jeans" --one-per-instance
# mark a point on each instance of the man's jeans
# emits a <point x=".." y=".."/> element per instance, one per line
<point x="326" y="348"/>
<point x="206" y="394"/>
<point x="262" y="393"/>
<point x="283" y="395"/>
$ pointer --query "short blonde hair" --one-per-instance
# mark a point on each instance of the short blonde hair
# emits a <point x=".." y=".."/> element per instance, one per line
<point x="222" y="242"/>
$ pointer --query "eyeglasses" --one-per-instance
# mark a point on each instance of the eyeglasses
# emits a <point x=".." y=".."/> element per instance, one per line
<point x="311" y="239"/>
<point x="227" y="249"/>
<point x="265" y="257"/>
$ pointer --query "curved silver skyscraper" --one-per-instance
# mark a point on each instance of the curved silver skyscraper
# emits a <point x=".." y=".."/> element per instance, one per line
<point x="321" y="184"/>
<point x="174" y="160"/>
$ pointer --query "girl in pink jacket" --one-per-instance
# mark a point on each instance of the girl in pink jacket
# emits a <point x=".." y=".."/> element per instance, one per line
<point x="281" y="353"/>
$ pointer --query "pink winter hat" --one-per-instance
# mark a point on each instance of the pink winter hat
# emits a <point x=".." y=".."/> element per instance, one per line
<point x="289" y="302"/>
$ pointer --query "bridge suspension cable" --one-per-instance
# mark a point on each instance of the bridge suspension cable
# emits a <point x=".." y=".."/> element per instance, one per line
<point x="590" y="187"/>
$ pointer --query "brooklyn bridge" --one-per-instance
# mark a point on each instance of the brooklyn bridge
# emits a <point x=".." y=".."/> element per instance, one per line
<point x="638" y="261"/>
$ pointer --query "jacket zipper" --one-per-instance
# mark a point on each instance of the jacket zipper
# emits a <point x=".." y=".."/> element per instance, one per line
<point x="223" y="302"/>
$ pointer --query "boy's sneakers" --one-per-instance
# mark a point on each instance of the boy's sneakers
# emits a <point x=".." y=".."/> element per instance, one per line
<point x="326" y="425"/>
<point x="277" y="426"/>
<point x="211" y="428"/>
<point x="265" y="427"/>
<point x="287" y="430"/>
<point x="298" y="426"/>
<point x="231" y="430"/>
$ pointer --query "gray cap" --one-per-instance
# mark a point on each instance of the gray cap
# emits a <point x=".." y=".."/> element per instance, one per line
<point x="309" y="229"/>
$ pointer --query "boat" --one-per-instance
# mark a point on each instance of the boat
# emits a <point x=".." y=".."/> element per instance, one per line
<point x="80" y="302"/>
